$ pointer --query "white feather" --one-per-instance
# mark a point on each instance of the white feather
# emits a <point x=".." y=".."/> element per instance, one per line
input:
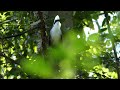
<point x="55" y="32"/>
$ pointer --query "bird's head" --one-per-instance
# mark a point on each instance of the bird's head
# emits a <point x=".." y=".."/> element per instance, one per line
<point x="57" y="18"/>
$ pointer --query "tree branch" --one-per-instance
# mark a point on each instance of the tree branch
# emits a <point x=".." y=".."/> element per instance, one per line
<point x="8" y="21"/>
<point x="43" y="31"/>
<point x="33" y="26"/>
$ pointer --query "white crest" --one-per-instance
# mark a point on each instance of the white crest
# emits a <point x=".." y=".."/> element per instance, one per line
<point x="57" y="18"/>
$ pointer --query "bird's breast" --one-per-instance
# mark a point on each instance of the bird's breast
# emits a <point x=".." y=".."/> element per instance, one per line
<point x="56" y="33"/>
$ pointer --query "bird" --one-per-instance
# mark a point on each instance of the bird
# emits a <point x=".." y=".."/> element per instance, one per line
<point x="55" y="32"/>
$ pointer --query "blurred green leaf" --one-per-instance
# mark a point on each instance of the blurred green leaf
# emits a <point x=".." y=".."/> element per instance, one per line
<point x="37" y="65"/>
<point x="102" y="30"/>
<point x="104" y="22"/>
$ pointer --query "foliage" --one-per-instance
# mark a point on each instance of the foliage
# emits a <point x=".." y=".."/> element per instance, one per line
<point x="78" y="56"/>
<point x="14" y="23"/>
<point x="100" y="72"/>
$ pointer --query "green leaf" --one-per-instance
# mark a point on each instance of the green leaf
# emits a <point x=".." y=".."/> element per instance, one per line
<point x="91" y="25"/>
<point x="104" y="21"/>
<point x="102" y="30"/>
<point x="108" y="18"/>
